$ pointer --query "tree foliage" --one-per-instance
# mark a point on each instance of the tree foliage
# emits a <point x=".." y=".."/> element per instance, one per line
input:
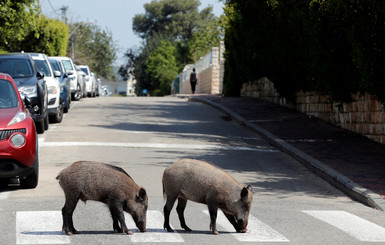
<point x="92" y="46"/>
<point x="50" y="37"/>
<point x="17" y="19"/>
<point x="335" y="46"/>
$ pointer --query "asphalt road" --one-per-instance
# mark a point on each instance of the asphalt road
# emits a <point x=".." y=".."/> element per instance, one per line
<point x="144" y="135"/>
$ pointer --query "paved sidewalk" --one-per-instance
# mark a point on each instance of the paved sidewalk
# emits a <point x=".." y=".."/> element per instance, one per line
<point x="349" y="161"/>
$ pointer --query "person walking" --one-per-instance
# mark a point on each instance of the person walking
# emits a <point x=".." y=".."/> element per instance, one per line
<point x="193" y="80"/>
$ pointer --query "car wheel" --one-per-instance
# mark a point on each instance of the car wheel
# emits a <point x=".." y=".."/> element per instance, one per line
<point x="32" y="179"/>
<point x="46" y="122"/>
<point x="78" y="94"/>
<point x="40" y="126"/>
<point x="58" y="117"/>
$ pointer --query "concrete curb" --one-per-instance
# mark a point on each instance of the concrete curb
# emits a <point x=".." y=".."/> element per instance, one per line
<point x="343" y="183"/>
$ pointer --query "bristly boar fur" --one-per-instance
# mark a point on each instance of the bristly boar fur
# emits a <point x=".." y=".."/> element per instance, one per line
<point x="106" y="183"/>
<point x="202" y="182"/>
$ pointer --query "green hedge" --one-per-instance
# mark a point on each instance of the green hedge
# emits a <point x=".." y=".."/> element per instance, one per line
<point x="335" y="46"/>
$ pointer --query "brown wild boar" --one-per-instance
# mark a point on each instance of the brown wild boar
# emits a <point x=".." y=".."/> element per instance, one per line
<point x="109" y="184"/>
<point x="202" y="182"/>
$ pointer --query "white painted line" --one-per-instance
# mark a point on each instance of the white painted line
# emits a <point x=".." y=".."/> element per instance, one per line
<point x="355" y="226"/>
<point x="155" y="231"/>
<point x="4" y="195"/>
<point x="157" y="145"/>
<point x="40" y="227"/>
<point x="257" y="231"/>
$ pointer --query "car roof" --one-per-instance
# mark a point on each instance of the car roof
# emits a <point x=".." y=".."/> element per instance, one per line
<point x="16" y="55"/>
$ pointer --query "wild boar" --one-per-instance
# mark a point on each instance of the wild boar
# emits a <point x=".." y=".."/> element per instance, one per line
<point x="202" y="182"/>
<point x="106" y="183"/>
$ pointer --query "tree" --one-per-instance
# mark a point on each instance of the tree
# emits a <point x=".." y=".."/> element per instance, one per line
<point x="49" y="37"/>
<point x="171" y="22"/>
<point x="17" y="19"/>
<point x="162" y="68"/>
<point x="94" y="47"/>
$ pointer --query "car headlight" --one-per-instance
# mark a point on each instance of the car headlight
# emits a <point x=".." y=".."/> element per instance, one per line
<point x="52" y="90"/>
<point x="17" y="140"/>
<point x="30" y="91"/>
<point x="19" y="117"/>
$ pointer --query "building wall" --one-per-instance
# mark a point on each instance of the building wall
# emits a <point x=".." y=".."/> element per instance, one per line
<point x="365" y="115"/>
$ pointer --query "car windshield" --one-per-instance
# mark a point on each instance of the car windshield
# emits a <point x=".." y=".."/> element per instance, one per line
<point x="43" y="67"/>
<point x="8" y="96"/>
<point x="85" y="71"/>
<point x="67" y="65"/>
<point x="17" y="68"/>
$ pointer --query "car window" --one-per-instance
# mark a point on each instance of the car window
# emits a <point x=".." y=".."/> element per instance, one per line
<point x="85" y="71"/>
<point x="17" y="68"/>
<point x="54" y="65"/>
<point x="43" y="67"/>
<point x="8" y="96"/>
<point x="67" y="65"/>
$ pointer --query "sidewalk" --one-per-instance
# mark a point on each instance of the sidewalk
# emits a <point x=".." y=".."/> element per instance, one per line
<point x="351" y="162"/>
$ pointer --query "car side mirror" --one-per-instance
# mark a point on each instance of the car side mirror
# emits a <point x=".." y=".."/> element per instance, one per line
<point x="57" y="73"/>
<point x="27" y="102"/>
<point x="40" y="75"/>
<point x="70" y="72"/>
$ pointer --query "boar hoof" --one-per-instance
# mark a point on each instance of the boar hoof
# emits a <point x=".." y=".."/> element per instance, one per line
<point x="215" y="232"/>
<point x="170" y="230"/>
<point x="128" y="232"/>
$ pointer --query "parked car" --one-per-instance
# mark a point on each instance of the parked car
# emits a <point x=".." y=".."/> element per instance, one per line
<point x="98" y="86"/>
<point x="55" y="101"/>
<point x="90" y="81"/>
<point x="30" y="82"/>
<point x="76" y="81"/>
<point x="82" y="77"/>
<point x="18" y="139"/>
<point x="64" y="80"/>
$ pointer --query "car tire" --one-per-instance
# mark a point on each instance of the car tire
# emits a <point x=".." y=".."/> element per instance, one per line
<point x="58" y="117"/>
<point x="78" y="94"/>
<point x="32" y="179"/>
<point x="40" y="126"/>
<point x="46" y="122"/>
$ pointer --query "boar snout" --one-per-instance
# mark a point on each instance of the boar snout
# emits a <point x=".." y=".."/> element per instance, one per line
<point x="242" y="226"/>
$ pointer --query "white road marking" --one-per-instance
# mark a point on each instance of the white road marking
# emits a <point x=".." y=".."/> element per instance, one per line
<point x="157" y="145"/>
<point x="257" y="231"/>
<point x="40" y="227"/>
<point x="4" y="195"/>
<point x="355" y="226"/>
<point x="155" y="231"/>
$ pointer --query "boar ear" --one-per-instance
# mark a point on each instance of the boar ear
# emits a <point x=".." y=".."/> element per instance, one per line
<point x="245" y="192"/>
<point x="142" y="194"/>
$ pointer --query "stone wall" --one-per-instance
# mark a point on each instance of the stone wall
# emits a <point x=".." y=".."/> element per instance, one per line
<point x="210" y="70"/>
<point x="365" y="115"/>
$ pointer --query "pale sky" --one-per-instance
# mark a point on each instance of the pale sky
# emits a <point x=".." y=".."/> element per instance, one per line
<point x="112" y="15"/>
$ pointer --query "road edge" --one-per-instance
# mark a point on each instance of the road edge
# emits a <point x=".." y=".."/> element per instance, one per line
<point x="338" y="180"/>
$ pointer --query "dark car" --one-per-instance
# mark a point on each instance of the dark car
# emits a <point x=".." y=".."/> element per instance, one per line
<point x="64" y="80"/>
<point x="30" y="83"/>
<point x="18" y="139"/>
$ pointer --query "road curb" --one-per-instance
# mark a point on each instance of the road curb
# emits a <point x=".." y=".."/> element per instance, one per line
<point x="340" y="181"/>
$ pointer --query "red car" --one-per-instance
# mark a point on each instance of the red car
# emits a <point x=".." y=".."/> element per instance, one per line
<point x="18" y="139"/>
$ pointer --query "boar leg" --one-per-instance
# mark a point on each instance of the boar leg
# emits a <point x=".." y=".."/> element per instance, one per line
<point x="180" y="209"/>
<point x="118" y="217"/>
<point x="167" y="210"/>
<point x="67" y="212"/>
<point x="213" y="210"/>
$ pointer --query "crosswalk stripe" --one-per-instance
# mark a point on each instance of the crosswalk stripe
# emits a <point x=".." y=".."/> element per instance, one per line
<point x="155" y="231"/>
<point x="39" y="227"/>
<point x="355" y="226"/>
<point x="257" y="231"/>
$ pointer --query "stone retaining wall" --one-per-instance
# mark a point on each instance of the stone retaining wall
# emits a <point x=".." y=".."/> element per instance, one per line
<point x="365" y="115"/>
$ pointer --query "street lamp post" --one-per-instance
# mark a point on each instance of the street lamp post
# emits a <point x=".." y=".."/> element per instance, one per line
<point x="72" y="36"/>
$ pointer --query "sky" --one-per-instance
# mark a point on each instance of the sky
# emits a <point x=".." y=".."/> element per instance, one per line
<point x="112" y="15"/>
